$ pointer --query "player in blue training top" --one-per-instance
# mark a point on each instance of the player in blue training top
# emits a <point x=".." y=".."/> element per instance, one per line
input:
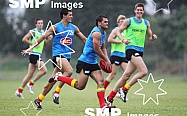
<point x="63" y="33"/>
<point x="87" y="63"/>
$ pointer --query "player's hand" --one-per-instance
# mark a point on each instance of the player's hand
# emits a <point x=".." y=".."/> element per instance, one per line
<point x="25" y="52"/>
<point x="126" y="41"/>
<point x="154" y="36"/>
<point x="34" y="43"/>
<point x="108" y="65"/>
<point x="50" y="37"/>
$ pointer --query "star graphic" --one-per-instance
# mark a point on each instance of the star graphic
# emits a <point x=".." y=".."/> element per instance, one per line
<point x="151" y="81"/>
<point x="50" y="60"/>
<point x="31" y="103"/>
<point x="164" y="9"/>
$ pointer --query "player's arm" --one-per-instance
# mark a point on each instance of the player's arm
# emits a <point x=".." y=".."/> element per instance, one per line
<point x="100" y="50"/>
<point x="48" y="40"/>
<point x="112" y="36"/>
<point x="79" y="34"/>
<point x="121" y="29"/>
<point x="40" y="39"/>
<point x="25" y="39"/>
<point x="96" y="44"/>
<point x="108" y="63"/>
<point x="103" y="49"/>
<point x="150" y="33"/>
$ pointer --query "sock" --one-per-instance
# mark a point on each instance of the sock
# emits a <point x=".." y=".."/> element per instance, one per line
<point x="112" y="95"/>
<point x="57" y="90"/>
<point x="106" y="83"/>
<point x="67" y="80"/>
<point x="31" y="83"/>
<point x="126" y="87"/>
<point x="101" y="95"/>
<point x="20" y="89"/>
<point x="41" y="97"/>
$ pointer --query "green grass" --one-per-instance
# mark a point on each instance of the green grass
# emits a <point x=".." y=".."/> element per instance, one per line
<point x="74" y="103"/>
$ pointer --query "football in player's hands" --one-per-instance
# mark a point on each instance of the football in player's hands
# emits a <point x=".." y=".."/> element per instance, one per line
<point x="103" y="66"/>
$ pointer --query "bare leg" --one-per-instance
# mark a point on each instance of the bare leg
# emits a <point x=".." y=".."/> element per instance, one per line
<point x="126" y="75"/>
<point x="41" y="72"/>
<point x="31" y="70"/>
<point x="142" y="69"/>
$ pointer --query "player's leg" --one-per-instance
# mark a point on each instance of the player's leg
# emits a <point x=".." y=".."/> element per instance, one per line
<point x="31" y="70"/>
<point x="140" y="65"/>
<point x="136" y="60"/>
<point x="99" y="79"/>
<point x="62" y="63"/>
<point x="142" y="69"/>
<point x="111" y="76"/>
<point x="79" y="84"/>
<point x="123" y="66"/>
<point x="38" y="75"/>
<point x="121" y="82"/>
<point x="47" y="87"/>
<point x="115" y="63"/>
<point x="68" y="70"/>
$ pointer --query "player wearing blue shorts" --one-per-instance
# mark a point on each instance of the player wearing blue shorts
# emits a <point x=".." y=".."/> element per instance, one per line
<point x="63" y="33"/>
<point x="87" y="63"/>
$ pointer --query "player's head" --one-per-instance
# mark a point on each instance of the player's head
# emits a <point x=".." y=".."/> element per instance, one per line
<point x="66" y="14"/>
<point x="39" y="23"/>
<point x="139" y="9"/>
<point x="102" y="21"/>
<point x="120" y="19"/>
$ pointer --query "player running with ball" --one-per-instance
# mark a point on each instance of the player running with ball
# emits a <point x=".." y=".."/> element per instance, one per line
<point x="87" y="63"/>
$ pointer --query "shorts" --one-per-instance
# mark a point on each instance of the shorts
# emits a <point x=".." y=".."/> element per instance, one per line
<point x="87" y="68"/>
<point x="133" y="52"/>
<point x="56" y="58"/>
<point x="117" y="60"/>
<point x="33" y="58"/>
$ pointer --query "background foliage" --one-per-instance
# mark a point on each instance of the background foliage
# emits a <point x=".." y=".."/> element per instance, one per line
<point x="168" y="54"/>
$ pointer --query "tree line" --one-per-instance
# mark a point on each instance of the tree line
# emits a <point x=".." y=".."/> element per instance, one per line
<point x="169" y="51"/>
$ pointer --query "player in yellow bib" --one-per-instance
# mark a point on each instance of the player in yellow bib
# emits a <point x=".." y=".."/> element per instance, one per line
<point x="34" y="58"/>
<point x="136" y="30"/>
<point x="117" y="56"/>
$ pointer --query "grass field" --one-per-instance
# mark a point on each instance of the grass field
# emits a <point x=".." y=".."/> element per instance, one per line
<point x="74" y="103"/>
